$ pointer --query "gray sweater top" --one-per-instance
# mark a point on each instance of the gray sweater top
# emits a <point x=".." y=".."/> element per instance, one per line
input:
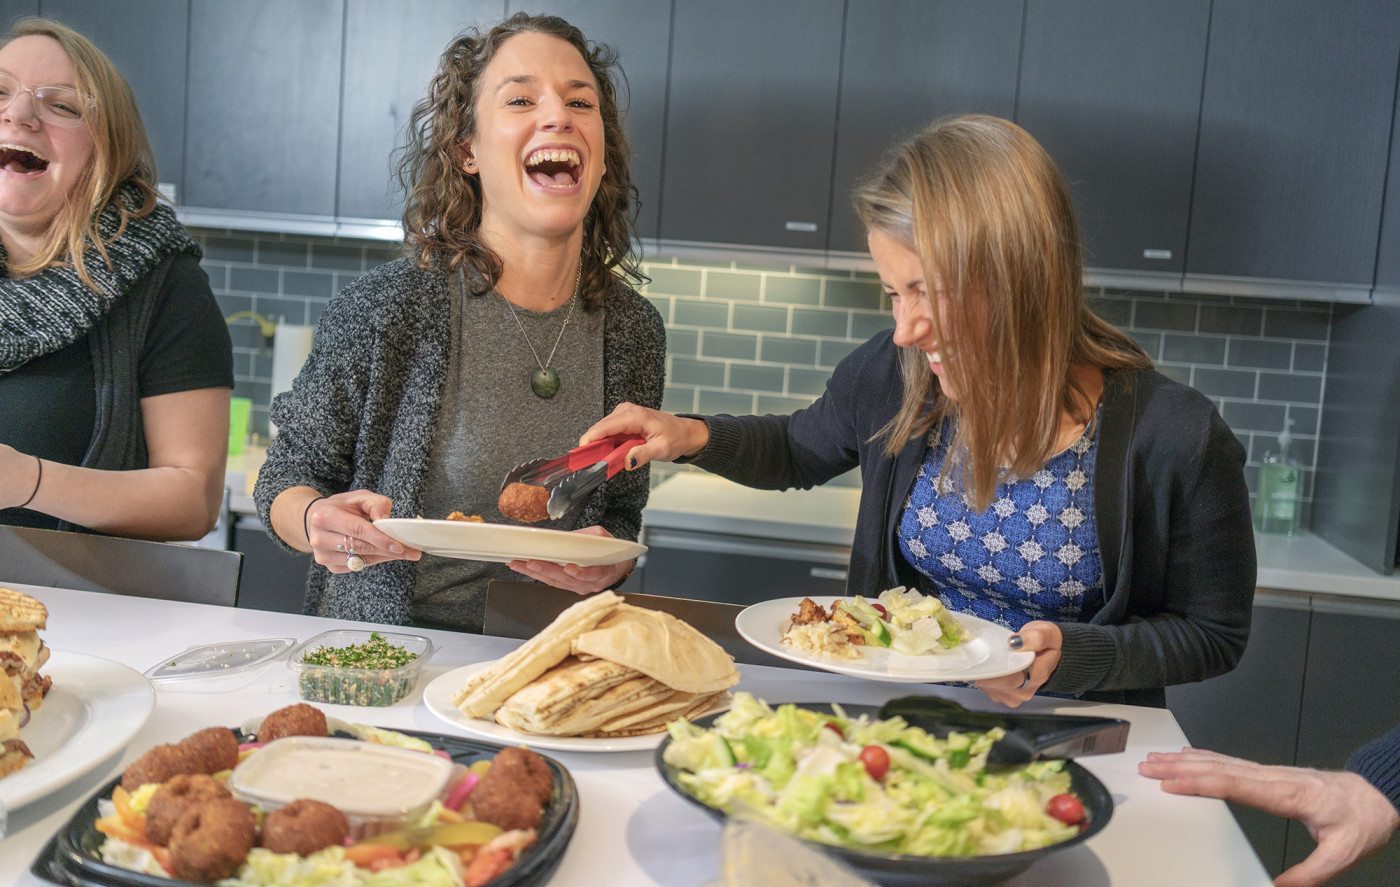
<point x="363" y="411"/>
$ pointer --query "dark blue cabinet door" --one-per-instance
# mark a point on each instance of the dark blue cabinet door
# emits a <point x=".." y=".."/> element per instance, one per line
<point x="1113" y="91"/>
<point x="1295" y="126"/>
<point x="12" y="11"/>
<point x="391" y="52"/>
<point x="640" y="32"/>
<point x="905" y="63"/>
<point x="750" y="122"/>
<point x="129" y="33"/>
<point x="263" y="115"/>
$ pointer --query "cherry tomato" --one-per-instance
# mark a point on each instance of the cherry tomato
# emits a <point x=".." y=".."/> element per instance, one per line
<point x="1066" y="808"/>
<point x="876" y="761"/>
<point x="834" y="728"/>
<point x="884" y="614"/>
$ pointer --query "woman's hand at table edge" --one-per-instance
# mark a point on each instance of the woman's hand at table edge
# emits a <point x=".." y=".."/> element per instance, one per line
<point x="572" y="577"/>
<point x="668" y="437"/>
<point x="335" y="524"/>
<point x="1044" y="639"/>
<point x="1347" y="816"/>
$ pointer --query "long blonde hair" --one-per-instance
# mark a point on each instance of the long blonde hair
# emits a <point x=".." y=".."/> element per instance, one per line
<point x="121" y="155"/>
<point x="442" y="210"/>
<point x="989" y="215"/>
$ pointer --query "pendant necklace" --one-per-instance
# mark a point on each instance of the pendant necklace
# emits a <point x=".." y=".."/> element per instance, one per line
<point x="544" y="382"/>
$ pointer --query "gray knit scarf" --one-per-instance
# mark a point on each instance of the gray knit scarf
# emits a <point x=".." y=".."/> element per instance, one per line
<point x="50" y="310"/>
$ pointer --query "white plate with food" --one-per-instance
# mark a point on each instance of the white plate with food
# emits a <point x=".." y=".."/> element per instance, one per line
<point x="438" y="697"/>
<point x="982" y="654"/>
<point x="476" y="541"/>
<point x="93" y="710"/>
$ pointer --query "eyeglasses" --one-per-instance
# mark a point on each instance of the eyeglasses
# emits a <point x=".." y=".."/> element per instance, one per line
<point x="59" y="105"/>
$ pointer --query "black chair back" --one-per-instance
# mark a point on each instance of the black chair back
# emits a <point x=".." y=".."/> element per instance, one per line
<point x="521" y="609"/>
<point x="160" y="570"/>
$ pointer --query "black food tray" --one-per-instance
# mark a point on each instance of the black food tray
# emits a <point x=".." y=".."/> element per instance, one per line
<point x="905" y="869"/>
<point x="73" y="856"/>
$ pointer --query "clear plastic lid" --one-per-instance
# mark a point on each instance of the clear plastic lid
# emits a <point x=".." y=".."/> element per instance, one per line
<point x="227" y="659"/>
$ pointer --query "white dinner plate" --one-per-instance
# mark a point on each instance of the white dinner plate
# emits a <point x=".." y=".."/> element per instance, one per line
<point x="984" y="655"/>
<point x="438" y="697"/>
<point x="91" y="713"/>
<point x="474" y="541"/>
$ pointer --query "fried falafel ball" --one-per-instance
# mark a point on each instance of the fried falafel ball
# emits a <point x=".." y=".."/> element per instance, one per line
<point x="303" y="827"/>
<point x="526" y="503"/>
<point x="514" y="792"/>
<point x="211" y="840"/>
<point x="215" y="748"/>
<point x="176" y="796"/>
<point x="294" y="720"/>
<point x="157" y="765"/>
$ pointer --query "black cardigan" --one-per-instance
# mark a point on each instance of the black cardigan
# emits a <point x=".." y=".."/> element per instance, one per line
<point x="1171" y="505"/>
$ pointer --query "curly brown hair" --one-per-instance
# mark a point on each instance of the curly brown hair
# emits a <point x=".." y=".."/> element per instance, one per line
<point x="442" y="210"/>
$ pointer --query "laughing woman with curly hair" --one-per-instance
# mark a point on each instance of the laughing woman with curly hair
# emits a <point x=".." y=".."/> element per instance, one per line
<point x="507" y="332"/>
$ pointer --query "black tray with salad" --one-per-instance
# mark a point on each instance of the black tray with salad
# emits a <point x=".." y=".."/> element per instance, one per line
<point x="73" y="856"/>
<point x="898" y="804"/>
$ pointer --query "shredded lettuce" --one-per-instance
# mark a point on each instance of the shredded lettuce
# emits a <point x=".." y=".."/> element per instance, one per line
<point x="937" y="799"/>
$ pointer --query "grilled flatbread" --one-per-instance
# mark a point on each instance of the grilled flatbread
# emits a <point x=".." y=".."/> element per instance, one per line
<point x="580" y="697"/>
<point x="21" y="612"/>
<point x="662" y="647"/>
<point x="486" y="691"/>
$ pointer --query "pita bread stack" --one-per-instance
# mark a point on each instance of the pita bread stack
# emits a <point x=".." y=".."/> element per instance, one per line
<point x="22" y="654"/>
<point x="602" y="668"/>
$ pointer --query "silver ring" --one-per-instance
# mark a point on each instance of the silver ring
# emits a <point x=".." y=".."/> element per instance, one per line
<point x="340" y="547"/>
<point x="1025" y="679"/>
<point x="354" y="563"/>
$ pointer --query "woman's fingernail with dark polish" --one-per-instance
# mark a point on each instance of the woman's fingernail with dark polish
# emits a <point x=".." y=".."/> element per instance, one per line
<point x="1015" y="642"/>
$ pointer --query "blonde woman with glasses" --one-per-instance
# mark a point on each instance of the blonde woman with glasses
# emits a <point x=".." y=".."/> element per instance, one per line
<point x="1019" y="456"/>
<point x="115" y="364"/>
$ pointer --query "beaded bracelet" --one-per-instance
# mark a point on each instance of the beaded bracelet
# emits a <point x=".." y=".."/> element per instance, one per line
<point x="305" y="531"/>
<point x="37" y="481"/>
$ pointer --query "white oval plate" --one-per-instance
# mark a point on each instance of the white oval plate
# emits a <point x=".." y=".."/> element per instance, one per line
<point x="985" y="655"/>
<point x="91" y="713"/>
<point x="469" y="540"/>
<point x="438" y="697"/>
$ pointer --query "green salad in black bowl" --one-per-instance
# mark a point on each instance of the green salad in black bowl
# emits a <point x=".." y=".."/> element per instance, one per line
<point x="892" y="801"/>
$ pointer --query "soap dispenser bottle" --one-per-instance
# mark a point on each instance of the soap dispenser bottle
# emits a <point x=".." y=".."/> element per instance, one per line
<point x="1279" y="504"/>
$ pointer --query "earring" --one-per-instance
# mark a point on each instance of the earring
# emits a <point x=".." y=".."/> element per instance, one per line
<point x="469" y="165"/>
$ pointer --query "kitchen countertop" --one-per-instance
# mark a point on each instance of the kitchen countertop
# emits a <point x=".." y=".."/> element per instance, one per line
<point x="707" y="503"/>
<point x="632" y="830"/>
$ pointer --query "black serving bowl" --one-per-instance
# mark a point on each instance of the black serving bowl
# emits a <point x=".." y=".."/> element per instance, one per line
<point x="74" y="855"/>
<point x="903" y="869"/>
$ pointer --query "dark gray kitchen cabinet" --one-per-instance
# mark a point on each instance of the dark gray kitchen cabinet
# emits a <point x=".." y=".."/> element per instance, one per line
<point x="12" y="11"/>
<point x="1113" y="92"/>
<point x="1356" y="492"/>
<point x="126" y="32"/>
<point x="750" y="122"/>
<point x="1295" y="124"/>
<point x="640" y="32"/>
<point x="1252" y="712"/>
<point x="1349" y="699"/>
<point x="264" y="105"/>
<point x="739" y="569"/>
<point x="391" y="53"/>
<point x="905" y="63"/>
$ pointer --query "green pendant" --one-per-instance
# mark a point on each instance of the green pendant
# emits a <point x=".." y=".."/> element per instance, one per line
<point x="545" y="383"/>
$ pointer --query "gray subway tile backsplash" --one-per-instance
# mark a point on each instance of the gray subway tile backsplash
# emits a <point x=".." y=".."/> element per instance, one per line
<point x="1261" y="361"/>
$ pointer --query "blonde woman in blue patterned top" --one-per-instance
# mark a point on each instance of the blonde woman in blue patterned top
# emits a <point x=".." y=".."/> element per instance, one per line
<point x="1019" y="456"/>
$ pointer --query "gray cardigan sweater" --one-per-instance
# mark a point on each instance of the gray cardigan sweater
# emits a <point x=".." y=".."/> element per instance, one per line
<point x="1170" y="502"/>
<point x="361" y="415"/>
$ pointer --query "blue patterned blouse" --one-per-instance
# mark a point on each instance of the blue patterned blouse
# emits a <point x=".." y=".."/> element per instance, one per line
<point x="1033" y="554"/>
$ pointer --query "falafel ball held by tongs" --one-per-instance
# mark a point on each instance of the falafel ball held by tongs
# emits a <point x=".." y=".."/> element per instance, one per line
<point x="551" y="488"/>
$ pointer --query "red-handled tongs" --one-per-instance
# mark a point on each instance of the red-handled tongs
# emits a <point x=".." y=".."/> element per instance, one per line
<point x="572" y="476"/>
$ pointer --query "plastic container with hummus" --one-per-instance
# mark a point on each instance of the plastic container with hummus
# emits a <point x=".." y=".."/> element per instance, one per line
<point x="379" y="788"/>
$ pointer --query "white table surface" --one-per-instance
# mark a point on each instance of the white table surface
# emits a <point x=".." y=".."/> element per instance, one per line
<point x="632" y="830"/>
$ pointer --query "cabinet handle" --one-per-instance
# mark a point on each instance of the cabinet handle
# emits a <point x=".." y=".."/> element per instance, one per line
<point x="827" y="573"/>
<point x="1156" y="254"/>
<point x="809" y="227"/>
